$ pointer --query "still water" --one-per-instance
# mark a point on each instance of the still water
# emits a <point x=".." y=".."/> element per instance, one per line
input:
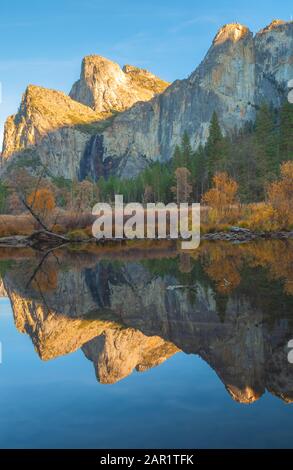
<point x="147" y="347"/>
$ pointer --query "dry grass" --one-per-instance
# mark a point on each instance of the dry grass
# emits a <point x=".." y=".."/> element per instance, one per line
<point x="16" y="225"/>
<point x="256" y="217"/>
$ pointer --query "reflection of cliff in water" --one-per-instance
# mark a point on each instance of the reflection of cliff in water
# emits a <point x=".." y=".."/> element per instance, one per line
<point x="230" y="304"/>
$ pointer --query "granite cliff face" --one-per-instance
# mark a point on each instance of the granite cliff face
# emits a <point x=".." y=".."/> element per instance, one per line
<point x="239" y="72"/>
<point x="48" y="125"/>
<point x="125" y="317"/>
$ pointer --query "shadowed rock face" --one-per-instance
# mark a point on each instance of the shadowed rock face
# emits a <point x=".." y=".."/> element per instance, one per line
<point x="125" y="317"/>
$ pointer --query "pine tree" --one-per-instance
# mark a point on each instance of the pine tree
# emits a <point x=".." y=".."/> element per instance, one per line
<point x="286" y="132"/>
<point x="216" y="148"/>
<point x="177" y="158"/>
<point x="266" y="141"/>
<point x="186" y="150"/>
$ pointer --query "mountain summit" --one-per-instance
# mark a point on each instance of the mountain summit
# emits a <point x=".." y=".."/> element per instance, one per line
<point x="105" y="87"/>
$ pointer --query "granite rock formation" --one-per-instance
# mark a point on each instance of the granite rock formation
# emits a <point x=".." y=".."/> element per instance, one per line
<point x="239" y="72"/>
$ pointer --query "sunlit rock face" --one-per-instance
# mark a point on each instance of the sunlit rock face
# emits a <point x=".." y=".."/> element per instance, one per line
<point x="52" y="333"/>
<point x="125" y="316"/>
<point x="42" y="111"/>
<point x="49" y="128"/>
<point x="3" y="292"/>
<point x="105" y="87"/>
<point x="55" y="129"/>
<point x="117" y="353"/>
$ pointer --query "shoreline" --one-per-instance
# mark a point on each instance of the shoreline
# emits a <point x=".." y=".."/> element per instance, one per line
<point x="40" y="239"/>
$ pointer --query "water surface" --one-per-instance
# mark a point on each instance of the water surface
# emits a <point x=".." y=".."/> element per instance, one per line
<point x="147" y="347"/>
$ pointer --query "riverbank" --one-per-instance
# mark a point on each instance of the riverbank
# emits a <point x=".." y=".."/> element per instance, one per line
<point x="42" y="239"/>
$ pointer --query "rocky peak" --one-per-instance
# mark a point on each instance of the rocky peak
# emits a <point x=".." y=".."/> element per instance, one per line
<point x="232" y="32"/>
<point x="246" y="395"/>
<point x="273" y="25"/>
<point x="145" y="79"/>
<point x="105" y="87"/>
<point x="41" y="111"/>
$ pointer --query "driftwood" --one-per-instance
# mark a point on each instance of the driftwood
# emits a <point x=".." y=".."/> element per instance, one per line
<point x="45" y="236"/>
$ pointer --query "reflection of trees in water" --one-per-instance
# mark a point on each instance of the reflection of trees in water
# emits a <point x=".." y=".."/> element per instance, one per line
<point x="228" y="303"/>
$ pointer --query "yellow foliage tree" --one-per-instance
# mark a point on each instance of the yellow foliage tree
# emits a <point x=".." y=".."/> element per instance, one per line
<point x="262" y="217"/>
<point x="280" y="195"/>
<point x="222" y="195"/>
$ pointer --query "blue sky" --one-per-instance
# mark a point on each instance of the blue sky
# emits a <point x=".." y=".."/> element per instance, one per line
<point x="43" y="42"/>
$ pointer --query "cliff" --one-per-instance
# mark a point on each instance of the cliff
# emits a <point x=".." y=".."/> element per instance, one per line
<point x="240" y="71"/>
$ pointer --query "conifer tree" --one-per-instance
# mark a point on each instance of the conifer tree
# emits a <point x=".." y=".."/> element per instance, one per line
<point x="266" y="141"/>
<point x="186" y="150"/>
<point x="286" y="132"/>
<point x="216" y="148"/>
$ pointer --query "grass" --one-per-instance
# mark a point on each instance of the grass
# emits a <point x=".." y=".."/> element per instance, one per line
<point x="78" y="226"/>
<point x="16" y="225"/>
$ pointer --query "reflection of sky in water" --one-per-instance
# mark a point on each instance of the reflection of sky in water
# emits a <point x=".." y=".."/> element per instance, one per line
<point x="180" y="403"/>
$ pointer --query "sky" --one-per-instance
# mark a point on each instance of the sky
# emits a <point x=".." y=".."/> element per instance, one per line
<point x="43" y="43"/>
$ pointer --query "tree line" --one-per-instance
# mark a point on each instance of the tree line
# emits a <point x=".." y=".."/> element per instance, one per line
<point x="252" y="156"/>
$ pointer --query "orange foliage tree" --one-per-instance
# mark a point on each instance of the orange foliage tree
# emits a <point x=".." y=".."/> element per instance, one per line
<point x="280" y="195"/>
<point x="42" y="201"/>
<point x="222" y="195"/>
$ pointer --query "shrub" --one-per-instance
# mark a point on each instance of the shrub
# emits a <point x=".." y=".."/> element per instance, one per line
<point x="263" y="217"/>
<point x="77" y="235"/>
<point x="280" y="195"/>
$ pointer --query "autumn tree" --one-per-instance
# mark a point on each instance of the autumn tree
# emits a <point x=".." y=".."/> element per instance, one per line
<point x="183" y="188"/>
<point x="14" y="204"/>
<point x="41" y="201"/>
<point x="85" y="195"/>
<point x="148" y="194"/>
<point x="280" y="194"/>
<point x="222" y="195"/>
<point x="21" y="181"/>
